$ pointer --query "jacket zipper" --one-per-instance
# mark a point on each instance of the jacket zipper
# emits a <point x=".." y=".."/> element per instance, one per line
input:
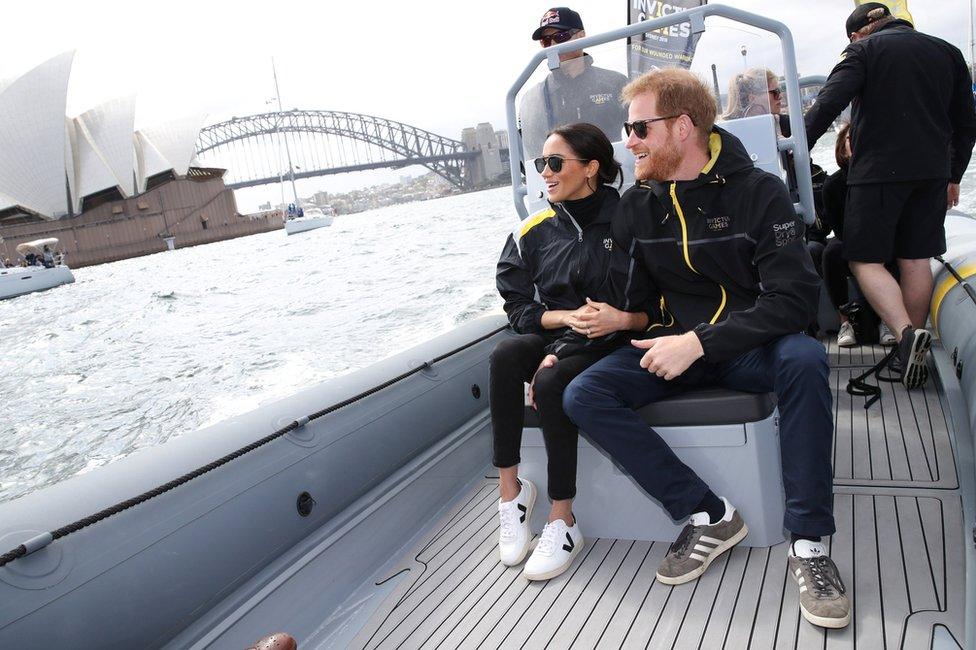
<point x="684" y="248"/>
<point x="579" y="240"/>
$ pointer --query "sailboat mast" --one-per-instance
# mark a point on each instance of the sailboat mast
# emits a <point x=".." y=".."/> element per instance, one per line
<point x="291" y="168"/>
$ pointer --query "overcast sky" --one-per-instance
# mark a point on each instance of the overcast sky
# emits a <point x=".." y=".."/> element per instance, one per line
<point x="438" y="64"/>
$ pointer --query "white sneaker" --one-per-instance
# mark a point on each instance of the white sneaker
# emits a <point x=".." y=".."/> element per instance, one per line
<point x="845" y="337"/>
<point x="514" y="534"/>
<point x="554" y="553"/>
<point x="885" y="337"/>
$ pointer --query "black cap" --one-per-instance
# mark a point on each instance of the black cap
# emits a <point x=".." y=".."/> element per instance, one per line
<point x="859" y="18"/>
<point x="559" y="18"/>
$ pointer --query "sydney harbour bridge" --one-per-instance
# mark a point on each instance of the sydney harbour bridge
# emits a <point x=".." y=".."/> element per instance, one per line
<point x="255" y="149"/>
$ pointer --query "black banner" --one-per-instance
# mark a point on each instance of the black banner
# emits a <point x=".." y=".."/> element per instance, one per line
<point x="669" y="47"/>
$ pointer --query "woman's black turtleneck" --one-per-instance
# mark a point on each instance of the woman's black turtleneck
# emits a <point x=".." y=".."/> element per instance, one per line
<point x="585" y="210"/>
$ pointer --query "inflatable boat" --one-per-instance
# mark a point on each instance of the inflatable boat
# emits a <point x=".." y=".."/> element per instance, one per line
<point x="362" y="512"/>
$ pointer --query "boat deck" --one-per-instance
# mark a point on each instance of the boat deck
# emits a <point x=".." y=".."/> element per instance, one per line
<point x="896" y="505"/>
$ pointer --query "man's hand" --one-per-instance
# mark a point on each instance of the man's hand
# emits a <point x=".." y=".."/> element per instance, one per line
<point x="601" y="319"/>
<point x="547" y="362"/>
<point x="952" y="195"/>
<point x="669" y="356"/>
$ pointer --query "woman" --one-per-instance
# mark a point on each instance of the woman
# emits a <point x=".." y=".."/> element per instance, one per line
<point x="835" y="268"/>
<point x="756" y="92"/>
<point x="556" y="275"/>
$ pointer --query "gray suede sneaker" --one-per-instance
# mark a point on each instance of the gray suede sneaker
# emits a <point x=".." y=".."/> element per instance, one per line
<point x="823" y="598"/>
<point x="699" y="543"/>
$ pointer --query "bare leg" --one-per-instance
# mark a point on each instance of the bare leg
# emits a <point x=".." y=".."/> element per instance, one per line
<point x="916" y="289"/>
<point x="562" y="509"/>
<point x="884" y="294"/>
<point x="508" y="485"/>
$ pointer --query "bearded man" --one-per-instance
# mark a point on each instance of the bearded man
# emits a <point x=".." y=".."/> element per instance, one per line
<point x="722" y="242"/>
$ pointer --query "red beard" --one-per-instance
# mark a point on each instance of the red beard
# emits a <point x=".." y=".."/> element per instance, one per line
<point x="661" y="163"/>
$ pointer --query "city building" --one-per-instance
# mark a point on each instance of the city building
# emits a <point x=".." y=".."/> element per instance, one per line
<point x="95" y="181"/>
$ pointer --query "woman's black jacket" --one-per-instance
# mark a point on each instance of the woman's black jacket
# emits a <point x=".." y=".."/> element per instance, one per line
<point x="551" y="262"/>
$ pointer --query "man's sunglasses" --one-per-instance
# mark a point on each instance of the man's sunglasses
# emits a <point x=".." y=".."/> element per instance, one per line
<point x="555" y="163"/>
<point x="558" y="37"/>
<point x="776" y="92"/>
<point x="640" y="126"/>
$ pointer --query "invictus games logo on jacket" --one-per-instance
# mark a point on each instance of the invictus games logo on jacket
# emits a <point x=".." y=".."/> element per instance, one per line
<point x="784" y="232"/>
<point x="718" y="223"/>
<point x="608" y="243"/>
<point x="601" y="98"/>
<point x="549" y="18"/>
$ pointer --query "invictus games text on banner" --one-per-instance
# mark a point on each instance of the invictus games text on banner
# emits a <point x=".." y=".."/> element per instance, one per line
<point x="672" y="46"/>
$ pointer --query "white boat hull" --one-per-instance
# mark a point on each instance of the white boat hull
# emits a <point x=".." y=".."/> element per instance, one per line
<point x="293" y="226"/>
<point x="19" y="280"/>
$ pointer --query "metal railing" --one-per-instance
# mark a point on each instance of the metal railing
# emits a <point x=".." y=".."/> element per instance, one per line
<point x="797" y="143"/>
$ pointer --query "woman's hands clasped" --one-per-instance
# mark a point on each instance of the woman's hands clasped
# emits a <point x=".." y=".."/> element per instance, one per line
<point x="596" y="319"/>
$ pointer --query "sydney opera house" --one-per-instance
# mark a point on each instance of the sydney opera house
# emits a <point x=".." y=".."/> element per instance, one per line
<point x="105" y="189"/>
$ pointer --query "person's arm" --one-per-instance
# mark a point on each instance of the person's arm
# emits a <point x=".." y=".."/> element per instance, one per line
<point x="789" y="285"/>
<point x="514" y="282"/>
<point x="844" y="83"/>
<point x="962" y="115"/>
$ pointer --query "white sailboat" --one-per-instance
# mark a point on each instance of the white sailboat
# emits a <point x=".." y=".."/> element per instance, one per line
<point x="297" y="219"/>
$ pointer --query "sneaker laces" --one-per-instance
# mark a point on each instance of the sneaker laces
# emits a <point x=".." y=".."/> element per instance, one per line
<point x="509" y="521"/>
<point x="547" y="541"/>
<point x="824" y="578"/>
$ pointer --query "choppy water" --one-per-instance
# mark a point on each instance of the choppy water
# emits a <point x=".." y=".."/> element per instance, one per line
<point x="139" y="351"/>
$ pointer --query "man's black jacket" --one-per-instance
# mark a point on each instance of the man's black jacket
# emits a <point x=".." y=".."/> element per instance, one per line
<point x="725" y="250"/>
<point x="551" y="263"/>
<point x="912" y="115"/>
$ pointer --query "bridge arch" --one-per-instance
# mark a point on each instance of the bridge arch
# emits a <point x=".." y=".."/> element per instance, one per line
<point x="408" y="145"/>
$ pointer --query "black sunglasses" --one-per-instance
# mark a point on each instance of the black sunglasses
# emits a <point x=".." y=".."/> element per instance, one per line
<point x="558" y="37"/>
<point x="555" y="163"/>
<point x="776" y="92"/>
<point x="640" y="126"/>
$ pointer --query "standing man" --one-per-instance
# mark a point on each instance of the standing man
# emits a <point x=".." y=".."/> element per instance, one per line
<point x="722" y="243"/>
<point x="912" y="134"/>
<point x="577" y="91"/>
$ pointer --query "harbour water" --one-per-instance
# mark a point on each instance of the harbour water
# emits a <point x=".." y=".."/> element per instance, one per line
<point x="140" y="351"/>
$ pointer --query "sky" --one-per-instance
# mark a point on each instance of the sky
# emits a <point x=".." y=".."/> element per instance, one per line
<point x="440" y="65"/>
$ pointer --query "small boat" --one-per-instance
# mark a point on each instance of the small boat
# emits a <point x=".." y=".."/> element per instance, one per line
<point x="37" y="275"/>
<point x="306" y="219"/>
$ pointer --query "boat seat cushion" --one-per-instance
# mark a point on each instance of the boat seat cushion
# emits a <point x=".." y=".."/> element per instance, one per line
<point x="700" y="407"/>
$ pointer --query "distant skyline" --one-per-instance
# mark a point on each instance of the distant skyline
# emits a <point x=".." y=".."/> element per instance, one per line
<point x="440" y="65"/>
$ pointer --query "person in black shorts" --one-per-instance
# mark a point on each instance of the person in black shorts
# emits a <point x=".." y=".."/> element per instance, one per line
<point x="912" y="133"/>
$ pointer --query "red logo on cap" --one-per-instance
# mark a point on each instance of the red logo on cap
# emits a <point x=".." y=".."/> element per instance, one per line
<point x="549" y="18"/>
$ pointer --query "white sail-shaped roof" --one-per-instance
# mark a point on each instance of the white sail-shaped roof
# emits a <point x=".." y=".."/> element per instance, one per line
<point x="70" y="168"/>
<point x="176" y="141"/>
<point x="33" y="138"/>
<point x="105" y="156"/>
<point x="149" y="161"/>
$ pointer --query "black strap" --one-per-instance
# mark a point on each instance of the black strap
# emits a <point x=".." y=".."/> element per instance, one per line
<point x="859" y="385"/>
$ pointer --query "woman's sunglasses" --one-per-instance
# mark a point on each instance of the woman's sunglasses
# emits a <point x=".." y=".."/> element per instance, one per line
<point x="558" y="37"/>
<point x="555" y="163"/>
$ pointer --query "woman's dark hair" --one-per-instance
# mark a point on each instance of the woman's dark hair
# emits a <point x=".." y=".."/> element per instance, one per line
<point x="840" y="151"/>
<point x="590" y="143"/>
